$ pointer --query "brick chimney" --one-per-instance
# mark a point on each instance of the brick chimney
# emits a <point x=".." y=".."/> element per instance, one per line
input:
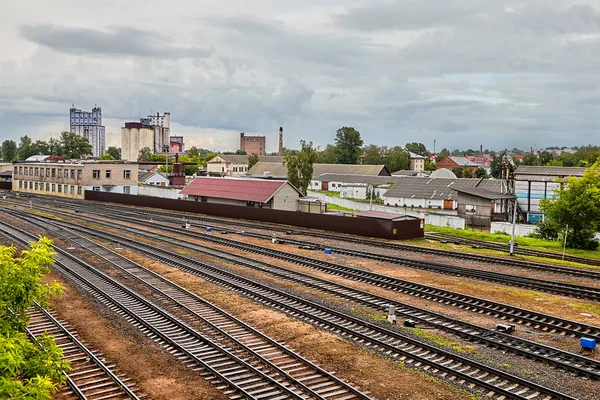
<point x="280" y="141"/>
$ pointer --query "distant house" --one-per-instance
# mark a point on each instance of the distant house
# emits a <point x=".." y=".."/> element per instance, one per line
<point x="417" y="162"/>
<point x="260" y="193"/>
<point x="154" y="178"/>
<point x="234" y="164"/>
<point x="460" y="162"/>
<point x="434" y="192"/>
<point x="279" y="171"/>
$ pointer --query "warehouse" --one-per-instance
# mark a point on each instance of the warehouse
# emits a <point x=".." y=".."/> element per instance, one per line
<point x="533" y="183"/>
<point x="260" y="193"/>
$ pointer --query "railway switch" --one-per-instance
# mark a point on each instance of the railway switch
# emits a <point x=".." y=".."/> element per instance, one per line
<point x="409" y="323"/>
<point x="505" y="328"/>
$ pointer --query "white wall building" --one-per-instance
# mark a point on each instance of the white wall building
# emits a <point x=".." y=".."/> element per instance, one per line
<point x="89" y="125"/>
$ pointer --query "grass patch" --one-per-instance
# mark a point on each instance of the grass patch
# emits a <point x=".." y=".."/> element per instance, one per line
<point x="587" y="307"/>
<point x="335" y="207"/>
<point x="329" y="193"/>
<point x="442" y="341"/>
<point x="522" y="241"/>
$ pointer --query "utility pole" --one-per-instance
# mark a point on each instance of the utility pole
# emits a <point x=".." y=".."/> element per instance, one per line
<point x="514" y="222"/>
<point x="371" y="201"/>
<point x="565" y="242"/>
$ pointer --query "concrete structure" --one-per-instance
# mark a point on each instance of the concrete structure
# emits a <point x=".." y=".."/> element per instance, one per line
<point x="417" y="162"/>
<point x="234" y="164"/>
<point x="280" y="152"/>
<point x="312" y="205"/>
<point x="177" y="145"/>
<point x="253" y="144"/>
<point x="161" y="121"/>
<point x="72" y="178"/>
<point x="443" y="173"/>
<point x="154" y="178"/>
<point x="136" y="135"/>
<point x="89" y="125"/>
<point x="461" y="162"/>
<point x="481" y="206"/>
<point x="433" y="193"/>
<point x="278" y="195"/>
<point x="533" y="183"/>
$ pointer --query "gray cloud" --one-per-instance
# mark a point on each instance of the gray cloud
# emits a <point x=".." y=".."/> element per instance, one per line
<point x="116" y="42"/>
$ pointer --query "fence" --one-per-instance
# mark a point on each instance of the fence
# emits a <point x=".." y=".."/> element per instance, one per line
<point x="449" y="221"/>
<point x="159" y="191"/>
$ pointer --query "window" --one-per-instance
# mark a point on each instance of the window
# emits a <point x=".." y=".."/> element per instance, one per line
<point x="78" y="174"/>
<point x="47" y="171"/>
<point x="127" y="189"/>
<point x="25" y="171"/>
<point x="30" y="185"/>
<point x="36" y="186"/>
<point x="37" y="171"/>
<point x="126" y="174"/>
<point x="41" y="171"/>
<point x="96" y="174"/>
<point x="47" y="187"/>
<point x="31" y="171"/>
<point x="250" y="203"/>
<point x="72" y="174"/>
<point x="470" y="208"/>
<point x="20" y="184"/>
<point x="108" y="174"/>
<point x="66" y="188"/>
<point x="66" y="173"/>
<point x="16" y="170"/>
<point x="60" y="173"/>
<point x="53" y="172"/>
<point x="59" y="188"/>
<point x="96" y="188"/>
<point x="79" y="190"/>
<point x="54" y="187"/>
<point x="204" y="199"/>
<point x="72" y="190"/>
<point x="20" y="170"/>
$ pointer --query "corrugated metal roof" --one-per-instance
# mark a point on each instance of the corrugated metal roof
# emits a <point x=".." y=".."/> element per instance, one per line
<point x="438" y="189"/>
<point x="243" y="159"/>
<point x="463" y="162"/>
<point x="484" y="193"/>
<point x="280" y="170"/>
<point x="353" y="178"/>
<point x="257" y="190"/>
<point x="549" y="171"/>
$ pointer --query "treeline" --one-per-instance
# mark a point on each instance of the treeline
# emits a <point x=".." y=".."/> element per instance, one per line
<point x="69" y="146"/>
<point x="582" y="157"/>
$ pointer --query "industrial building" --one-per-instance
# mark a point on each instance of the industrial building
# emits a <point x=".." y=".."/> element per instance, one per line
<point x="259" y="193"/>
<point x="479" y="207"/>
<point x="89" y="125"/>
<point x="533" y="183"/>
<point x="137" y="135"/>
<point x="72" y="178"/>
<point x="234" y="164"/>
<point x="458" y="162"/>
<point x="253" y="144"/>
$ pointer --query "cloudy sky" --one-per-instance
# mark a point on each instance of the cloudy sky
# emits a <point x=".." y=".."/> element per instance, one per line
<point x="462" y="72"/>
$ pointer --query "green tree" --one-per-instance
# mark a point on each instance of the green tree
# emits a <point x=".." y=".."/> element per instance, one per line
<point x="496" y="167"/>
<point x="328" y="155"/>
<point x="417" y="148"/>
<point x="106" y="156"/>
<point x="241" y="152"/>
<point x="300" y="166"/>
<point x="28" y="370"/>
<point x="443" y="154"/>
<point x="459" y="172"/>
<point x="373" y="155"/>
<point x="531" y="159"/>
<point x="348" y="144"/>
<point x="145" y="154"/>
<point x="481" y="173"/>
<point x="25" y="149"/>
<point x="467" y="172"/>
<point x="115" y="152"/>
<point x="545" y="157"/>
<point x="252" y="160"/>
<point x="576" y="204"/>
<point x="40" y="147"/>
<point x="54" y="147"/>
<point x="74" y="146"/>
<point x="429" y="165"/>
<point x="397" y="159"/>
<point x="9" y="150"/>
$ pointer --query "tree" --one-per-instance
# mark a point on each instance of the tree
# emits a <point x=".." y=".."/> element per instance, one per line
<point x="300" y="166"/>
<point x="397" y="159"/>
<point x="496" y="167"/>
<point x="429" y="165"/>
<point x="328" y="155"/>
<point x="145" y="154"/>
<point x="252" y="160"/>
<point x="458" y="171"/>
<point x="9" y="150"/>
<point x="481" y="173"/>
<point x="25" y="149"/>
<point x="348" y="144"/>
<point x="545" y="157"/>
<point x="74" y="146"/>
<point x="373" y="155"/>
<point x="417" y="148"/>
<point x="106" y="156"/>
<point x="241" y="152"/>
<point x="467" y="173"/>
<point x="443" y="154"/>
<point x="54" y="147"/>
<point x="29" y="371"/>
<point x="576" y="204"/>
<point x="115" y="152"/>
<point x="531" y="159"/>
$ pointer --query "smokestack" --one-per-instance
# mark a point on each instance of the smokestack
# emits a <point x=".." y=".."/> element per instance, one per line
<point x="280" y="141"/>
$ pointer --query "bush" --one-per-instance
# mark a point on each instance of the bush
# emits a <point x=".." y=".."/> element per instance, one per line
<point x="547" y="230"/>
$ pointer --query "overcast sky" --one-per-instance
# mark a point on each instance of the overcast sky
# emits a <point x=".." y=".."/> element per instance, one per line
<point x="462" y="72"/>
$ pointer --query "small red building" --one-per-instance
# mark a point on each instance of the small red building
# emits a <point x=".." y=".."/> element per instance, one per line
<point x="460" y="162"/>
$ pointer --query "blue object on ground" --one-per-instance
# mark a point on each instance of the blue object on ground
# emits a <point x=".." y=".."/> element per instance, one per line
<point x="327" y="251"/>
<point x="208" y="229"/>
<point x="587" y="343"/>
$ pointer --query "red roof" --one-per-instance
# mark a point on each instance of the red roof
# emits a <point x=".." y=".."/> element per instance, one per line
<point x="257" y="190"/>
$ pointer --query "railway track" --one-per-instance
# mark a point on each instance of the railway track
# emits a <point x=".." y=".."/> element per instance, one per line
<point x="509" y="313"/>
<point x="490" y="381"/>
<point x="443" y="237"/>
<point x="573" y="363"/>
<point x="90" y="377"/>
<point x="226" y="368"/>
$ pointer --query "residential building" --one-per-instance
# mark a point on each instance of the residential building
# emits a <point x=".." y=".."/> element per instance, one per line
<point x="260" y="193"/>
<point x="177" y="145"/>
<point x="461" y="162"/>
<point x="154" y="178"/>
<point x="253" y="144"/>
<point x="533" y="183"/>
<point x="279" y="171"/>
<point x="417" y="162"/>
<point x="432" y="192"/>
<point x="234" y="164"/>
<point x="161" y="121"/>
<point x="136" y="135"/>
<point x="72" y="178"/>
<point x="89" y="125"/>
